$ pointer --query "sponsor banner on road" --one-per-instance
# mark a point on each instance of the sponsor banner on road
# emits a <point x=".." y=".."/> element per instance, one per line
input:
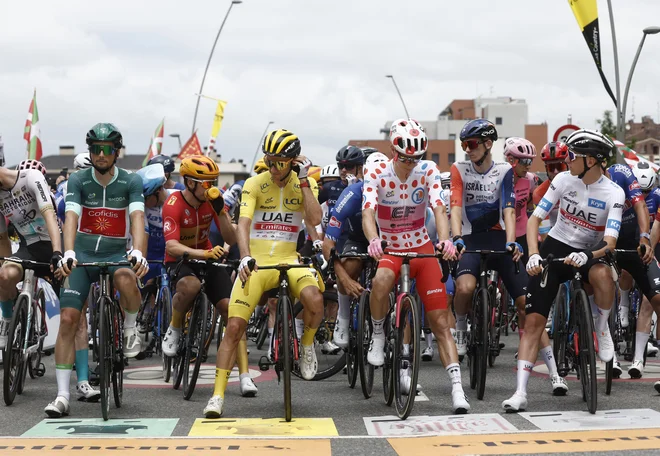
<point x="96" y="427"/>
<point x="298" y="427"/>
<point x="392" y="426"/>
<point x="608" y="419"/>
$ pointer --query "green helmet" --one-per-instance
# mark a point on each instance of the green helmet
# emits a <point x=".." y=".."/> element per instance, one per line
<point x="105" y="132"/>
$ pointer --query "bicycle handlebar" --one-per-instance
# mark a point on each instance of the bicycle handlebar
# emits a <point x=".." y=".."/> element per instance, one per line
<point x="25" y="262"/>
<point x="484" y="252"/>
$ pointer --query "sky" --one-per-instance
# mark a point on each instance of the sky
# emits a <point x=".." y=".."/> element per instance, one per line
<point x="315" y="68"/>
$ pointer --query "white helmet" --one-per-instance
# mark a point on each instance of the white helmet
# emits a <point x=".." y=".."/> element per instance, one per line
<point x="330" y="171"/>
<point x="644" y="175"/>
<point x="408" y="137"/>
<point x="377" y="157"/>
<point x="82" y="161"/>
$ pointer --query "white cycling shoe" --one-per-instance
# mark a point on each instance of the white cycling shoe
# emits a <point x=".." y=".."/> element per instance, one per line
<point x="248" y="388"/>
<point x="460" y="404"/>
<point x="516" y="403"/>
<point x="58" y="408"/>
<point x="559" y="386"/>
<point x="87" y="393"/>
<point x="376" y="353"/>
<point x="636" y="370"/>
<point x="213" y="407"/>
<point x="171" y="342"/>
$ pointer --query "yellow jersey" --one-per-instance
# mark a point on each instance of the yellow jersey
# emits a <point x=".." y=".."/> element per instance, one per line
<point x="277" y="217"/>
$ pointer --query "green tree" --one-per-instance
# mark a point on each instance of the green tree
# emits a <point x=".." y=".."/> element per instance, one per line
<point x="607" y="125"/>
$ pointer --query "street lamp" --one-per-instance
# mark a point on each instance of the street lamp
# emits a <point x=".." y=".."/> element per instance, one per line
<point x="254" y="160"/>
<point x="647" y="31"/>
<point x="397" y="91"/>
<point x="177" y="136"/>
<point x="201" y="87"/>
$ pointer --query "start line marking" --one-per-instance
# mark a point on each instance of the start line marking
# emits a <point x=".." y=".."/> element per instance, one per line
<point x="297" y="427"/>
<point x="607" y="419"/>
<point x="391" y="426"/>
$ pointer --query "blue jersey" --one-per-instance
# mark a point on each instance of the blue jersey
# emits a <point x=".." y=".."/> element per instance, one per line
<point x="330" y="193"/>
<point x="346" y="215"/>
<point x="178" y="186"/>
<point x="623" y="176"/>
<point x="653" y="203"/>
<point x="59" y="201"/>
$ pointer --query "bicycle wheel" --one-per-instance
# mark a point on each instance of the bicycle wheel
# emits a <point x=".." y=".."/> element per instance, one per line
<point x="494" y="317"/>
<point x="481" y="346"/>
<point x="286" y="351"/>
<point x="409" y="315"/>
<point x="560" y="330"/>
<point x="117" y="354"/>
<point x="211" y="320"/>
<point x="364" y="332"/>
<point x="195" y="344"/>
<point x="262" y="324"/>
<point x="92" y="308"/>
<point x="388" y="365"/>
<point x="609" y="366"/>
<point x="12" y="357"/>
<point x="586" y="353"/>
<point x="105" y="346"/>
<point x="38" y="333"/>
<point x="165" y="309"/>
<point x="352" y="350"/>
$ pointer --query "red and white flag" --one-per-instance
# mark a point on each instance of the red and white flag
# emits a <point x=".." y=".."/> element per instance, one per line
<point x="32" y="131"/>
<point x="156" y="146"/>
<point x="191" y="148"/>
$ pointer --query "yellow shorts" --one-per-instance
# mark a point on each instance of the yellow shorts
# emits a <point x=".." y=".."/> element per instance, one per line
<point x="244" y="300"/>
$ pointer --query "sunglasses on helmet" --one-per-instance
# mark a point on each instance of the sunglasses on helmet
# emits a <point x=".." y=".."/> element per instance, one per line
<point x="471" y="144"/>
<point x="525" y="161"/>
<point x="105" y="149"/>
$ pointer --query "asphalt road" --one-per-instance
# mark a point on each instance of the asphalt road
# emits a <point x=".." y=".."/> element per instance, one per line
<point x="146" y="397"/>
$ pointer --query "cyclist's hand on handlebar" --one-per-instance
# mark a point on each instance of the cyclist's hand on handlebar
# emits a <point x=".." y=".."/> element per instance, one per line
<point x="375" y="248"/>
<point x="448" y="250"/>
<point x="67" y="263"/>
<point x="55" y="261"/>
<point x="244" y="268"/>
<point x="459" y="244"/>
<point x="141" y="266"/>
<point x="517" y="250"/>
<point x="534" y="265"/>
<point x="647" y="252"/>
<point x="215" y="253"/>
<point x="352" y="288"/>
<point x="577" y="259"/>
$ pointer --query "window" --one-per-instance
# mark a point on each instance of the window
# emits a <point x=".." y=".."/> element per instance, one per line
<point x="655" y="150"/>
<point x="451" y="158"/>
<point x="452" y="136"/>
<point x="498" y="121"/>
<point x="435" y="158"/>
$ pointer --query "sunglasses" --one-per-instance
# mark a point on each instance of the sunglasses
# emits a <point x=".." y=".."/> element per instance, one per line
<point x="404" y="159"/>
<point x="276" y="163"/>
<point x="572" y="155"/>
<point x="105" y="149"/>
<point x="555" y="167"/>
<point x="345" y="166"/>
<point x="525" y="161"/>
<point x="206" y="184"/>
<point x="471" y="144"/>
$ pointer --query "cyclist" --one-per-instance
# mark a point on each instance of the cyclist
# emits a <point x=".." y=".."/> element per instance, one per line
<point x="483" y="216"/>
<point x="272" y="208"/>
<point x="103" y="205"/>
<point x="168" y="166"/>
<point x="396" y="194"/>
<point x="329" y="173"/>
<point x="260" y="167"/>
<point x="590" y="207"/>
<point x="554" y="155"/>
<point x="81" y="161"/>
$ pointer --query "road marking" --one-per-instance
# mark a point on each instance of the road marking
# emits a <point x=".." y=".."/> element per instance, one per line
<point x="96" y="427"/>
<point x="651" y="371"/>
<point x="392" y="426"/>
<point x="608" y="419"/>
<point x="530" y="443"/>
<point x="179" y="446"/>
<point x="315" y="427"/>
<point x="152" y="376"/>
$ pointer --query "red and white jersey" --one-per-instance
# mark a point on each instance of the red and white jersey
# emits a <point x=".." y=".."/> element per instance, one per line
<point x="401" y="206"/>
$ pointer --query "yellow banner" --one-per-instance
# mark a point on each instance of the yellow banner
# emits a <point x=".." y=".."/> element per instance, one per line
<point x="217" y="120"/>
<point x="586" y="11"/>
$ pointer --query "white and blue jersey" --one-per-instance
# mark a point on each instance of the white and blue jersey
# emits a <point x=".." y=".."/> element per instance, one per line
<point x="346" y="215"/>
<point x="623" y="176"/>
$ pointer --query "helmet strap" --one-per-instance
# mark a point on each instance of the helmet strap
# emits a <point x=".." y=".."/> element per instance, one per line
<point x="482" y="159"/>
<point x="586" y="168"/>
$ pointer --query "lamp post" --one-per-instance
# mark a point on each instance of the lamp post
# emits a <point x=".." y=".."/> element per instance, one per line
<point x="201" y="87"/>
<point x="397" y="91"/>
<point x="256" y="152"/>
<point x="178" y="137"/>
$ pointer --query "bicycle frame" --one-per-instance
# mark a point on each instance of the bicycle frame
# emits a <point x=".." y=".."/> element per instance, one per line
<point x="29" y="289"/>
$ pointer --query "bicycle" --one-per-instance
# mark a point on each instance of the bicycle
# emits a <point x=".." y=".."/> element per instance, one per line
<point x="574" y="334"/>
<point x="110" y="335"/>
<point x="194" y="331"/>
<point x="480" y="320"/>
<point x="27" y="331"/>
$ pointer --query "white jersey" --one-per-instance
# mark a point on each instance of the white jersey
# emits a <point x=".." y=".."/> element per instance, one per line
<point x="24" y="205"/>
<point x="587" y="213"/>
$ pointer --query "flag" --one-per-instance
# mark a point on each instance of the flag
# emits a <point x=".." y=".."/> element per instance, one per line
<point x="631" y="157"/>
<point x="586" y="13"/>
<point x="31" y="134"/>
<point x="217" y="125"/>
<point x="156" y="145"/>
<point x="191" y="148"/>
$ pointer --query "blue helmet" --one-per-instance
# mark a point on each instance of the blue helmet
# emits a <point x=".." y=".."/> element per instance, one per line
<point x="167" y="162"/>
<point x="479" y="128"/>
<point x="153" y="178"/>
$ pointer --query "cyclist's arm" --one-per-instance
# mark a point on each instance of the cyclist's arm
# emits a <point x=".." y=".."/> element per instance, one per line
<point x="137" y="230"/>
<point x="613" y="224"/>
<point x="243" y="235"/>
<point x="508" y="201"/>
<point x="39" y="189"/>
<point x="533" y="225"/>
<point x="369" y="205"/>
<point x="369" y="224"/>
<point x="136" y="210"/>
<point x="441" y="222"/>
<point x="655" y="233"/>
<point x="542" y="210"/>
<point x="456" y="201"/>
<point x="311" y="207"/>
<point x="53" y="229"/>
<point x="172" y="232"/>
<point x="643" y="219"/>
<point x="226" y="228"/>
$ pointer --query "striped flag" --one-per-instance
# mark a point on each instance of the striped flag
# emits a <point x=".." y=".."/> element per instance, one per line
<point x="217" y="125"/>
<point x="156" y="145"/>
<point x="32" y="131"/>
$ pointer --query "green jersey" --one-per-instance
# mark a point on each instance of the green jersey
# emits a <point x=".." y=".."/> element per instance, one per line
<point x="103" y="212"/>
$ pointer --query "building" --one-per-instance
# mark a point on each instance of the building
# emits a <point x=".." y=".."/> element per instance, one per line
<point x="644" y="136"/>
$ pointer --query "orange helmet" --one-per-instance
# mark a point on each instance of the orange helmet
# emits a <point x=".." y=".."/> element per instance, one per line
<point x="315" y="172"/>
<point x="200" y="167"/>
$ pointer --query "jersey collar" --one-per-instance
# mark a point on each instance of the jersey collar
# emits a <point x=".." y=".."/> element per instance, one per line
<point x="114" y="176"/>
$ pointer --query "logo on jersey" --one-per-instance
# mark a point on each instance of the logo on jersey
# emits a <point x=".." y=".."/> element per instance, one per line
<point x="187" y="212"/>
<point x="545" y="205"/>
<point x="572" y="194"/>
<point x="613" y="224"/>
<point x="334" y="222"/>
<point x="418" y="195"/>
<point x="41" y="192"/>
<point x="634" y="186"/>
<point x="347" y="197"/>
<point x="268" y="200"/>
<point x="264" y="187"/>
<point x="598" y="204"/>
<point x="91" y="195"/>
<point x="105" y="221"/>
<point x="171" y="201"/>
<point x="292" y="203"/>
<point x="389" y="194"/>
<point x="169" y="225"/>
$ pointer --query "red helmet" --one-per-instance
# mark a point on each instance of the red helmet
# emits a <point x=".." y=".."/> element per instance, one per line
<point x="554" y="151"/>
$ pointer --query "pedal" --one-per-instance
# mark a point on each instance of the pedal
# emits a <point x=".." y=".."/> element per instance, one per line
<point x="264" y="363"/>
<point x="40" y="371"/>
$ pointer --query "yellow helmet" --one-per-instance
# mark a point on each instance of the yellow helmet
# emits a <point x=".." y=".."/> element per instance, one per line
<point x="315" y="172"/>
<point x="281" y="143"/>
<point x="260" y="166"/>
<point x="200" y="167"/>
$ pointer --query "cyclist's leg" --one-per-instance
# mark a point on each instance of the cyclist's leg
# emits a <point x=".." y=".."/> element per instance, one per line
<point x="465" y="283"/>
<point x="600" y="278"/>
<point x="125" y="281"/>
<point x="84" y="389"/>
<point x="10" y="275"/>
<point x="186" y="285"/>
<point x="353" y="267"/>
<point x="625" y="285"/>
<point x="381" y="286"/>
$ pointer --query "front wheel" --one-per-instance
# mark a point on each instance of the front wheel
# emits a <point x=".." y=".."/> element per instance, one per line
<point x="352" y="350"/>
<point x="286" y="352"/>
<point x="560" y="330"/>
<point x="12" y="356"/>
<point x="363" y="339"/>
<point x="195" y="344"/>
<point x="609" y="366"/>
<point x="586" y="352"/>
<point x="406" y="362"/>
<point x="105" y="354"/>
<point x="479" y="350"/>
<point x="117" y="355"/>
<point x="39" y="331"/>
<point x="164" y="322"/>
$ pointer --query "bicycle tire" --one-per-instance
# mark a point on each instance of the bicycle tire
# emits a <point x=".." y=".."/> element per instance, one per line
<point x="263" y="330"/>
<point x="165" y="309"/>
<point x="352" y="363"/>
<point x="195" y="341"/>
<point x="39" y="316"/>
<point x="482" y="347"/>
<point x="177" y="371"/>
<point x="93" y="299"/>
<point x="409" y="312"/>
<point x="12" y="359"/>
<point x="210" y="322"/>
<point x="587" y="354"/>
<point x="117" y="354"/>
<point x="609" y="366"/>
<point x="494" y="318"/>
<point x="105" y="354"/>
<point x="388" y="366"/>
<point x="560" y="330"/>
<point x="287" y="352"/>
<point x="364" y="333"/>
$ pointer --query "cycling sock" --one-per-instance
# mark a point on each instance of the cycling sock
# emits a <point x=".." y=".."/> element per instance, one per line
<point x="300" y="326"/>
<point x="378" y="328"/>
<point x="594" y="307"/>
<point x="82" y="365"/>
<point x="429" y="340"/>
<point x="344" y="311"/>
<point x="308" y="336"/>
<point x="601" y="322"/>
<point x="177" y="319"/>
<point x="7" y="309"/>
<point x="549" y="360"/>
<point x="242" y="356"/>
<point x="406" y="349"/>
<point x="270" y="340"/>
<point x="63" y="376"/>
<point x="129" y="319"/>
<point x="454" y="371"/>
<point x="641" y="338"/>
<point x="461" y="322"/>
<point x="624" y="300"/>
<point x="524" y="369"/>
<point x="221" y="379"/>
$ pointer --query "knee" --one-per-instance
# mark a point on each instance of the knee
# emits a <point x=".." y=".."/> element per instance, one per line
<point x="313" y="301"/>
<point x="188" y="287"/>
<point x="9" y="276"/>
<point x="382" y="284"/>
<point x="234" y="331"/>
<point x="69" y="319"/>
<point x="601" y="279"/>
<point x="124" y="278"/>
<point x="464" y="287"/>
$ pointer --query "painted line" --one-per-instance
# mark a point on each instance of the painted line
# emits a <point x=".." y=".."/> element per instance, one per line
<point x="271" y="427"/>
<point x="392" y="426"/>
<point x="530" y="443"/>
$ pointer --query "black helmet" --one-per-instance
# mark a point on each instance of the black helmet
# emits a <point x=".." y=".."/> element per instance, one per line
<point x="592" y="143"/>
<point x="368" y="151"/>
<point x="105" y="132"/>
<point x="479" y="128"/>
<point x="281" y="143"/>
<point x="167" y="162"/>
<point x="350" y="155"/>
